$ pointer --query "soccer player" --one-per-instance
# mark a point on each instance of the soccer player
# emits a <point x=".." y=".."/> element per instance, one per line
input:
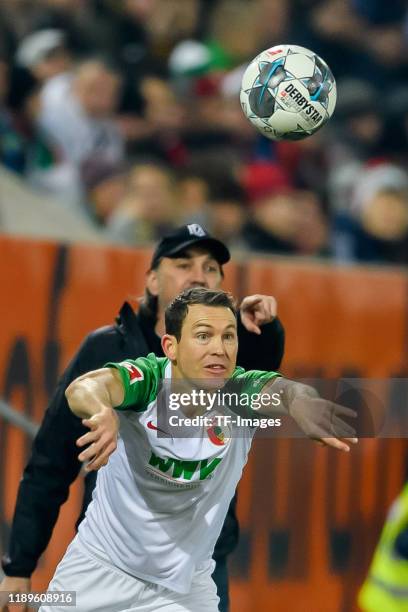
<point x="187" y="257"/>
<point x="160" y="500"/>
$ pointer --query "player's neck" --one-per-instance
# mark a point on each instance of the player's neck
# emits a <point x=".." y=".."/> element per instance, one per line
<point x="194" y="400"/>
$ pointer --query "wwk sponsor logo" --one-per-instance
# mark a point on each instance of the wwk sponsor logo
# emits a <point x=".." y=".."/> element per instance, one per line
<point x="184" y="471"/>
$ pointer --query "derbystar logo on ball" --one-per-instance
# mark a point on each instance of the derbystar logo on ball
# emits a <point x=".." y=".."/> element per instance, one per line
<point x="300" y="103"/>
<point x="288" y="92"/>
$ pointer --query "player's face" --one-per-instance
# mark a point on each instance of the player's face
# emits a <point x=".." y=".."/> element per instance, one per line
<point x="208" y="346"/>
<point x="197" y="268"/>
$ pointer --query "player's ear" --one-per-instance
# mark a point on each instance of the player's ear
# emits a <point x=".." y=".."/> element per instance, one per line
<point x="169" y="346"/>
<point x="152" y="282"/>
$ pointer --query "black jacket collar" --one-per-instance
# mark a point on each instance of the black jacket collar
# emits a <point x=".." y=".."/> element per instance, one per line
<point x="128" y="325"/>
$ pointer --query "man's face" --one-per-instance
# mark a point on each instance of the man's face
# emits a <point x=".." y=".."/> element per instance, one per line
<point x="97" y="90"/>
<point x="196" y="268"/>
<point x="208" y="345"/>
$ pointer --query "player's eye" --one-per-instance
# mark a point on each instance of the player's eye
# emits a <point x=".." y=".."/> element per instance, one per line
<point x="202" y="336"/>
<point x="212" y="268"/>
<point x="229" y="336"/>
<point x="183" y="265"/>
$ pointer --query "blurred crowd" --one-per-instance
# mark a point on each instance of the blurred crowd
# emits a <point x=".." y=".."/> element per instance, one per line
<point x="127" y="112"/>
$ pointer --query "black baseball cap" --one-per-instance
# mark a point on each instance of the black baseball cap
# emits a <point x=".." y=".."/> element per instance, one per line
<point x="187" y="236"/>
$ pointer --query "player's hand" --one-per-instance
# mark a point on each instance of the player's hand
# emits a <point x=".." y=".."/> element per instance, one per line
<point x="102" y="439"/>
<point x="256" y="310"/>
<point x="321" y="420"/>
<point x="17" y="585"/>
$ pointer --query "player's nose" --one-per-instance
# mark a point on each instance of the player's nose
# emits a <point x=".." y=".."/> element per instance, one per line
<point x="217" y="346"/>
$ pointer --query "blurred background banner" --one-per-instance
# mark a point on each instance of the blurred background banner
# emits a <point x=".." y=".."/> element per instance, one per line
<point x="309" y="517"/>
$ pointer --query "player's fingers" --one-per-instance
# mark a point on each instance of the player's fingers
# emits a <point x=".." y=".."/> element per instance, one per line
<point x="98" y="447"/>
<point x="344" y="411"/>
<point x="90" y="423"/>
<point x="101" y="459"/>
<point x="87" y="438"/>
<point x="319" y="442"/>
<point x="94" y="465"/>
<point x="89" y="453"/>
<point x="341" y="429"/>
<point x="336" y="443"/>
<point x="92" y="451"/>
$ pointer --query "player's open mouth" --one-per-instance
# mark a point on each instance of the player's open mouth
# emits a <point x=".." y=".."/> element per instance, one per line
<point x="216" y="368"/>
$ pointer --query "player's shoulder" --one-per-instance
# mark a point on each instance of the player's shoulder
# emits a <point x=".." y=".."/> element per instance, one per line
<point x="149" y="365"/>
<point x="159" y="362"/>
<point x="252" y="377"/>
<point x="141" y="379"/>
<point x="154" y="363"/>
<point x="238" y="372"/>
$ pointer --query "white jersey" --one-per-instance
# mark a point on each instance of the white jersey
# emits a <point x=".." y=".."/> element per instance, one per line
<point x="160" y="503"/>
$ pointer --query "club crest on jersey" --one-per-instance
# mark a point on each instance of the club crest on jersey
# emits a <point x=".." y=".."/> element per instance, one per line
<point x="135" y="373"/>
<point x="220" y="436"/>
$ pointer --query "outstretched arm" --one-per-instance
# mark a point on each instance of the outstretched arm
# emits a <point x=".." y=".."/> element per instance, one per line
<point x="93" y="397"/>
<point x="319" y="419"/>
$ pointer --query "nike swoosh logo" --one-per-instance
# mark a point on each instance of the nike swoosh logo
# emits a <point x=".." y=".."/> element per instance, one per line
<point x="150" y="425"/>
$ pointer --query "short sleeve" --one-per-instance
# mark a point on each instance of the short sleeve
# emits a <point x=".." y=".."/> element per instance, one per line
<point x="249" y="384"/>
<point x="253" y="381"/>
<point x="140" y="379"/>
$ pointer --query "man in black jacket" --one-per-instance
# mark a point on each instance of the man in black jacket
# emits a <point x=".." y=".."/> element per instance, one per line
<point x="187" y="257"/>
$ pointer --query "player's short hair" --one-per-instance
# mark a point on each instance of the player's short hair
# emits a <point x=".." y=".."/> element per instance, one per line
<point x="177" y="310"/>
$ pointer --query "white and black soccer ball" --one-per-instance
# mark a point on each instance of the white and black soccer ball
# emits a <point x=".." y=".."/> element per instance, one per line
<point x="288" y="92"/>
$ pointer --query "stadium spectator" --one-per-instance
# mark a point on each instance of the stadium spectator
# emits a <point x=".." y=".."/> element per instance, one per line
<point x="376" y="228"/>
<point x="76" y="119"/>
<point x="104" y="187"/>
<point x="149" y="207"/>
<point x="45" y="54"/>
<point x="274" y="224"/>
<point x="313" y="232"/>
<point x="227" y="211"/>
<point x="77" y="113"/>
<point x="356" y="139"/>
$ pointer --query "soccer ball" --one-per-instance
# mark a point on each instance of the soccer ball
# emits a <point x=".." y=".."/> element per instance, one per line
<point x="288" y="92"/>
